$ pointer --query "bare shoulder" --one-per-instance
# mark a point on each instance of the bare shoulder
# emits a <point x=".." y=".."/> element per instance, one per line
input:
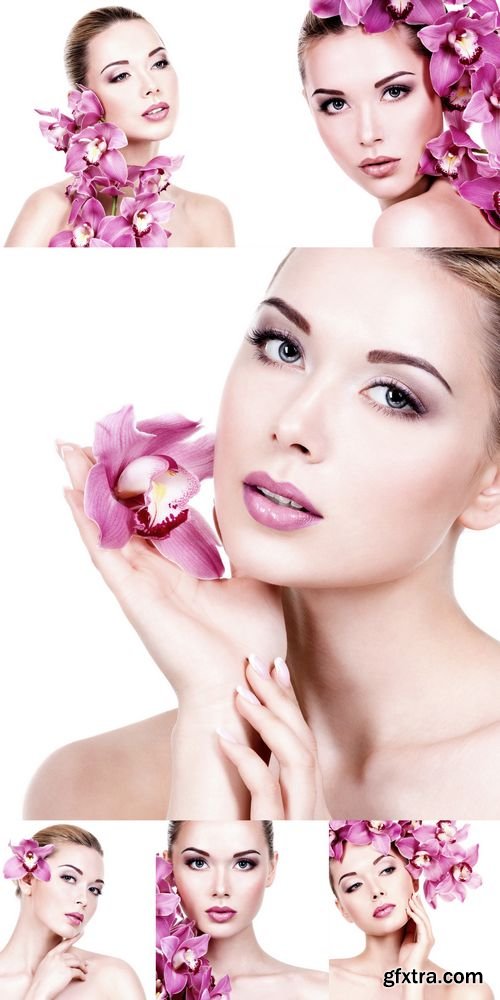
<point x="209" y="218"/>
<point x="43" y="214"/>
<point x="433" y="219"/>
<point x="312" y="982"/>
<point x="122" y="774"/>
<point x="470" y="991"/>
<point x="109" y="975"/>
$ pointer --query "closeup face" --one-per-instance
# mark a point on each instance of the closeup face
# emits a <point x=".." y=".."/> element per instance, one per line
<point x="68" y="901"/>
<point x="221" y="871"/>
<point x="130" y="73"/>
<point x="372" y="890"/>
<point x="374" y="106"/>
<point x="358" y="396"/>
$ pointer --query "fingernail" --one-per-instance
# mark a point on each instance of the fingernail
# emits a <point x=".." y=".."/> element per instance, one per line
<point x="225" y="735"/>
<point x="282" y="672"/>
<point x="258" y="665"/>
<point x="63" y="449"/>
<point x="247" y="695"/>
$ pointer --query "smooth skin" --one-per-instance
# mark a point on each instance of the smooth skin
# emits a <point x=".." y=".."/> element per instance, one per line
<point x="322" y="426"/>
<point x="126" y="91"/>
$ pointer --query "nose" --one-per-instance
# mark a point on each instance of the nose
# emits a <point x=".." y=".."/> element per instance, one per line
<point x="369" y="127"/>
<point x="377" y="892"/>
<point x="300" y="425"/>
<point x="220" y="886"/>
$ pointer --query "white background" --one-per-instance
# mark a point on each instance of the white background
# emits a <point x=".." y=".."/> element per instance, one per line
<point x="159" y="331"/>
<point x="466" y="934"/>
<point x="244" y="128"/>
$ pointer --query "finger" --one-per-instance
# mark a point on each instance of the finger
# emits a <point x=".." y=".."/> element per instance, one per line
<point x="66" y="943"/>
<point x="77" y="462"/>
<point x="296" y="762"/>
<point x="266" y="801"/>
<point x="280" y="699"/>
<point x="112" y="563"/>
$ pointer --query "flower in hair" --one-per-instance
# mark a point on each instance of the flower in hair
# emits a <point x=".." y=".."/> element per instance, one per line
<point x="484" y="105"/>
<point x="28" y="859"/>
<point x="143" y="479"/>
<point x="460" y="39"/>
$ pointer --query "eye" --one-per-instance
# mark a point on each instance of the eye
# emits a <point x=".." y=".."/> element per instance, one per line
<point x="68" y="878"/>
<point x="95" y="890"/>
<point x="119" y="77"/>
<point x="333" y="106"/>
<point x="161" y="63"/>
<point x="196" y="864"/>
<point x="245" y="864"/>
<point x="389" y="870"/>
<point x="392" y="398"/>
<point x="353" y="887"/>
<point x="396" y="91"/>
<point x="276" y="348"/>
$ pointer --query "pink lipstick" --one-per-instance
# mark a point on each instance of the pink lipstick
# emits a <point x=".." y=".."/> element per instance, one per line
<point x="380" y="166"/>
<point x="76" y="919"/>
<point x="221" y="914"/>
<point x="277" y="505"/>
<point x="157" y="112"/>
<point x="385" y="910"/>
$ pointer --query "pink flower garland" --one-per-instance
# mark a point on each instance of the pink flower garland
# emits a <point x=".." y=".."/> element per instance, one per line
<point x="433" y="851"/>
<point x="182" y="970"/>
<point x="92" y="148"/>
<point x="465" y="71"/>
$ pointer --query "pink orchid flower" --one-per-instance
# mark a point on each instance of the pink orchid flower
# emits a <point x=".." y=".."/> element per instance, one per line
<point x="460" y="93"/>
<point x="484" y="105"/>
<point x="86" y="227"/>
<point x="59" y="130"/>
<point x="457" y="40"/>
<point x="142" y="482"/>
<point x="86" y="107"/>
<point x="154" y="177"/>
<point x="351" y="11"/>
<point x="484" y="192"/>
<point x="450" y="155"/>
<point x="382" y="14"/>
<point x="98" y="145"/>
<point x="29" y="859"/>
<point x="183" y="951"/>
<point x="459" y="876"/>
<point x="139" y="222"/>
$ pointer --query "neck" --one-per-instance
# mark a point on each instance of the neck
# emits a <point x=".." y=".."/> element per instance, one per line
<point x="421" y="185"/>
<point x="395" y="643"/>
<point x="235" y="956"/>
<point x="139" y="153"/>
<point x="382" y="953"/>
<point x="30" y="942"/>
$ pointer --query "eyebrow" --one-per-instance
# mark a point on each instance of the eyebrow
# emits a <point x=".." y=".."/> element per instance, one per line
<point x="395" y="358"/>
<point x="75" y="869"/>
<point x="381" y="858"/>
<point x="291" y="314"/>
<point x="125" y="62"/>
<point x="239" y="854"/>
<point x="379" y="83"/>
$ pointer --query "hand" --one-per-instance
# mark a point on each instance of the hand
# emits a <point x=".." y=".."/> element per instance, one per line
<point x="59" y="968"/>
<point x="290" y="786"/>
<point x="418" y="940"/>
<point x="196" y="631"/>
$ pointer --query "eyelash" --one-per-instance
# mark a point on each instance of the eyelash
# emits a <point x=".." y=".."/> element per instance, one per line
<point x="259" y="338"/>
<point x="401" y="88"/>
<point x="162" y="63"/>
<point x="385" y="871"/>
<point x="418" y="409"/>
<point x="94" y="889"/>
<point x="248" y="862"/>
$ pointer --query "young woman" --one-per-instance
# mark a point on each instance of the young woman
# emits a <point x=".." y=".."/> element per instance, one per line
<point x="221" y="871"/>
<point x="58" y="894"/>
<point x="374" y="890"/>
<point x="374" y="105"/>
<point x="358" y="437"/>
<point x="118" y="55"/>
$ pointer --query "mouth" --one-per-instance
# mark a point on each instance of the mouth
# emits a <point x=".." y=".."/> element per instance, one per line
<point x="381" y="166"/>
<point x="221" y="914"/>
<point x="75" y="919"/>
<point x="277" y="505"/>
<point x="384" y="911"/>
<point x="157" y="112"/>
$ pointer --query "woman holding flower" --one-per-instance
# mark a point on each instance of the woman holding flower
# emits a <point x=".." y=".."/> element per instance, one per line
<point x="59" y="875"/>
<point x="377" y="78"/>
<point x="125" y="104"/>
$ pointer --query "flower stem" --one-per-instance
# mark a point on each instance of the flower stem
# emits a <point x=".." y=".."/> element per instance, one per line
<point x="114" y="205"/>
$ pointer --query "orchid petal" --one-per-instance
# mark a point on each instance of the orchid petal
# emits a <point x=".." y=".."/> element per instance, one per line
<point x="63" y="239"/>
<point x="114" y="520"/>
<point x="193" y="547"/>
<point x="14" y="868"/>
<point x="137" y="475"/>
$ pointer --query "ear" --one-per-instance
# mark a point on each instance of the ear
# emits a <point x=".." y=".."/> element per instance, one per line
<point x="25" y="885"/>
<point x="344" y="913"/>
<point x="272" y="870"/>
<point x="484" y="510"/>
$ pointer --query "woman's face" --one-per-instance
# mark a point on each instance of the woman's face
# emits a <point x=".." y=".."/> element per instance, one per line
<point x="68" y="901"/>
<point x="221" y="871"/>
<point x="375" y="108"/>
<point x="372" y="889"/>
<point x="359" y="395"/>
<point x="129" y="71"/>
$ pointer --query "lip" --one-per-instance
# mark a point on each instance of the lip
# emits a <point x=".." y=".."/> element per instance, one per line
<point x="380" y="166"/>
<point x="221" y="914"/>
<point x="385" y="910"/>
<point x="76" y="919"/>
<point x="161" y="109"/>
<point x="272" y="514"/>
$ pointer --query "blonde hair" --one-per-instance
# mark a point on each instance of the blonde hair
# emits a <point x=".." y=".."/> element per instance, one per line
<point x="90" y="25"/>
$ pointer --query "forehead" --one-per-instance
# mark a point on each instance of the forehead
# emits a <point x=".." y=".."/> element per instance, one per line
<point x="88" y="860"/>
<point x="221" y="838"/>
<point x="357" y="59"/>
<point x="122" y="40"/>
